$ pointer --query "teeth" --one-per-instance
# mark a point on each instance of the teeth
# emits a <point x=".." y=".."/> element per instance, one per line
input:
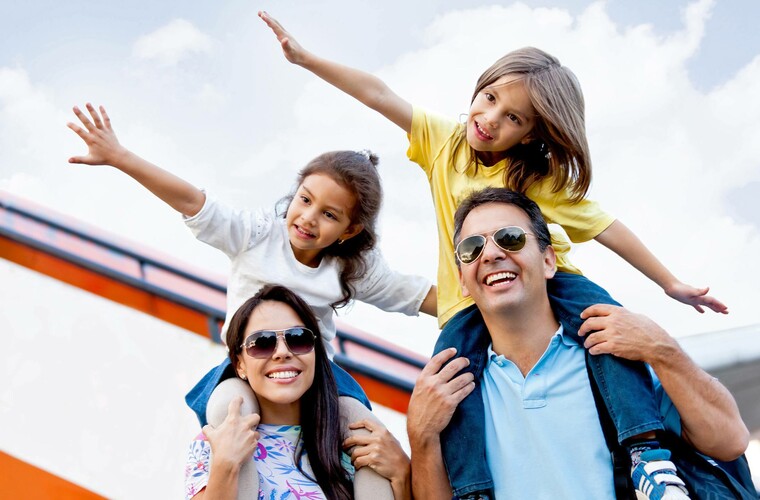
<point x="483" y="131"/>
<point x="506" y="275"/>
<point x="304" y="231"/>
<point x="283" y="374"/>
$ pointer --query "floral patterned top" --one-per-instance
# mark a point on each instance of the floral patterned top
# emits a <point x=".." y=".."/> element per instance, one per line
<point x="279" y="477"/>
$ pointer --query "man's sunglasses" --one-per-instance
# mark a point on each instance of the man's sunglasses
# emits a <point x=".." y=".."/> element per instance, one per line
<point x="263" y="343"/>
<point x="509" y="239"/>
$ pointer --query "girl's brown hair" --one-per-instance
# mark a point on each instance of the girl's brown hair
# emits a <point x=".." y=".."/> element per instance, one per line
<point x="357" y="172"/>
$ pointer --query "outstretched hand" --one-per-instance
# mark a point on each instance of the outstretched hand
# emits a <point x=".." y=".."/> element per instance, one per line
<point x="235" y="439"/>
<point x="103" y="146"/>
<point x="696" y="297"/>
<point x="292" y="49"/>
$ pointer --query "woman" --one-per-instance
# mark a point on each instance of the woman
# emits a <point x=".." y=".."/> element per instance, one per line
<point x="275" y="346"/>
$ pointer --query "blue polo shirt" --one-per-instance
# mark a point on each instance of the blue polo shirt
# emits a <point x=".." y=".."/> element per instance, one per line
<point x="542" y="431"/>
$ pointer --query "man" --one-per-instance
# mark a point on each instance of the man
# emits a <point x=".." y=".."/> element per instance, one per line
<point x="543" y="437"/>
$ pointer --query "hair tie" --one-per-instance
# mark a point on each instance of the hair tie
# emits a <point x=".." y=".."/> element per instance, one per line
<point x="365" y="153"/>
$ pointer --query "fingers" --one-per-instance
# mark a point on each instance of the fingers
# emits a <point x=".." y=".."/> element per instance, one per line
<point x="448" y="372"/>
<point x="95" y="116"/>
<point x="83" y="118"/>
<point x="598" y="310"/>
<point x="273" y="24"/>
<point x="592" y="324"/>
<point x="714" y="304"/>
<point x="252" y="420"/>
<point x="364" y="423"/>
<point x="78" y="130"/>
<point x="106" y="118"/>
<point x="465" y="391"/>
<point x="436" y="362"/>
<point x="358" y="440"/>
<point x="233" y="409"/>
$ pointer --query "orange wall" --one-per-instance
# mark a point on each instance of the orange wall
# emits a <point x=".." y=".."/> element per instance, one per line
<point x="22" y="480"/>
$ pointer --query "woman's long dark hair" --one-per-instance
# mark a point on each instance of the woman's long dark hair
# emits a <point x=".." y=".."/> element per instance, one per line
<point x="320" y="425"/>
<point x="357" y="172"/>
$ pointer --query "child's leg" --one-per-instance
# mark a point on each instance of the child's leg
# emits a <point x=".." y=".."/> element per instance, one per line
<point x="626" y="386"/>
<point x="467" y="473"/>
<point x="354" y="406"/>
<point x="197" y="398"/>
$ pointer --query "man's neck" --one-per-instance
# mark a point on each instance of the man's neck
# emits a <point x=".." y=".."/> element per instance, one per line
<point x="522" y="335"/>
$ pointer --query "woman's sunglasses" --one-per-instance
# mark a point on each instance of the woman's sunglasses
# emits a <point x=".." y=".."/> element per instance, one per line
<point x="509" y="239"/>
<point x="263" y="343"/>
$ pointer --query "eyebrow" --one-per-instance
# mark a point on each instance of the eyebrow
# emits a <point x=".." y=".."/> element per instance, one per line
<point x="329" y="207"/>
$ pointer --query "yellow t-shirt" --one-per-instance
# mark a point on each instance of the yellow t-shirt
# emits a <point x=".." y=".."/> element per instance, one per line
<point x="431" y="145"/>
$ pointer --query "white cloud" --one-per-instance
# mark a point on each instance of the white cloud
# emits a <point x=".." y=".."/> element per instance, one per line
<point x="172" y="43"/>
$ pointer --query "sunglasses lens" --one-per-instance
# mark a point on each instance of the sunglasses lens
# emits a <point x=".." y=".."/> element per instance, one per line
<point x="470" y="248"/>
<point x="299" y="340"/>
<point x="261" y="344"/>
<point x="510" y="239"/>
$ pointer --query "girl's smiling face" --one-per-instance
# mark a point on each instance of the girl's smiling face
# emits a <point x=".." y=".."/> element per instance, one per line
<point x="501" y="116"/>
<point x="319" y="215"/>
<point x="280" y="380"/>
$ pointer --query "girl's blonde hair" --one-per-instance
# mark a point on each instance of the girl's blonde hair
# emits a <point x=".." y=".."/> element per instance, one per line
<point x="559" y="148"/>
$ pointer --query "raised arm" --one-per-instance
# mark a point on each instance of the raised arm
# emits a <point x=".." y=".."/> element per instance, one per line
<point x="436" y="395"/>
<point x="710" y="418"/>
<point x="623" y="242"/>
<point x="366" y="88"/>
<point x="104" y="149"/>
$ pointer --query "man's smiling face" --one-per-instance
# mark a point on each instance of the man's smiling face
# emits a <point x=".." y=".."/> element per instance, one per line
<point x="501" y="281"/>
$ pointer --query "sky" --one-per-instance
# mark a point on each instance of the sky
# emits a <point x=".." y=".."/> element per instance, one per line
<point x="202" y="89"/>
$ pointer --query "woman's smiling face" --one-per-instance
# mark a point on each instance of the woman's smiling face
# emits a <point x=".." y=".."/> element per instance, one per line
<point x="281" y="379"/>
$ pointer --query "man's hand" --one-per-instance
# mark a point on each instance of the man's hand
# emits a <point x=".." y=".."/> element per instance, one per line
<point x="437" y="393"/>
<point x="614" y="330"/>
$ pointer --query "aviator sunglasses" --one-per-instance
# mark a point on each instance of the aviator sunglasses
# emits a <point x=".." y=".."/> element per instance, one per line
<point x="263" y="343"/>
<point x="509" y="239"/>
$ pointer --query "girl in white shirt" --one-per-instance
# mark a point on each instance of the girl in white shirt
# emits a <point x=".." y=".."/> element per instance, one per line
<point x="322" y="246"/>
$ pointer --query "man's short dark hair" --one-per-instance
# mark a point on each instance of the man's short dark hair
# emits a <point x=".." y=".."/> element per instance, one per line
<point x="507" y="197"/>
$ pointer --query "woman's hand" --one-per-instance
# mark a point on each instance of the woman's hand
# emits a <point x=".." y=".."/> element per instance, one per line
<point x="103" y="146"/>
<point x="380" y="451"/>
<point x="292" y="49"/>
<point x="235" y="440"/>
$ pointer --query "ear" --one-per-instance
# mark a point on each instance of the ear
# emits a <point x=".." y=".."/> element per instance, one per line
<point x="352" y="231"/>
<point x="240" y="366"/>
<point x="527" y="138"/>
<point x="550" y="262"/>
<point x="465" y="291"/>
